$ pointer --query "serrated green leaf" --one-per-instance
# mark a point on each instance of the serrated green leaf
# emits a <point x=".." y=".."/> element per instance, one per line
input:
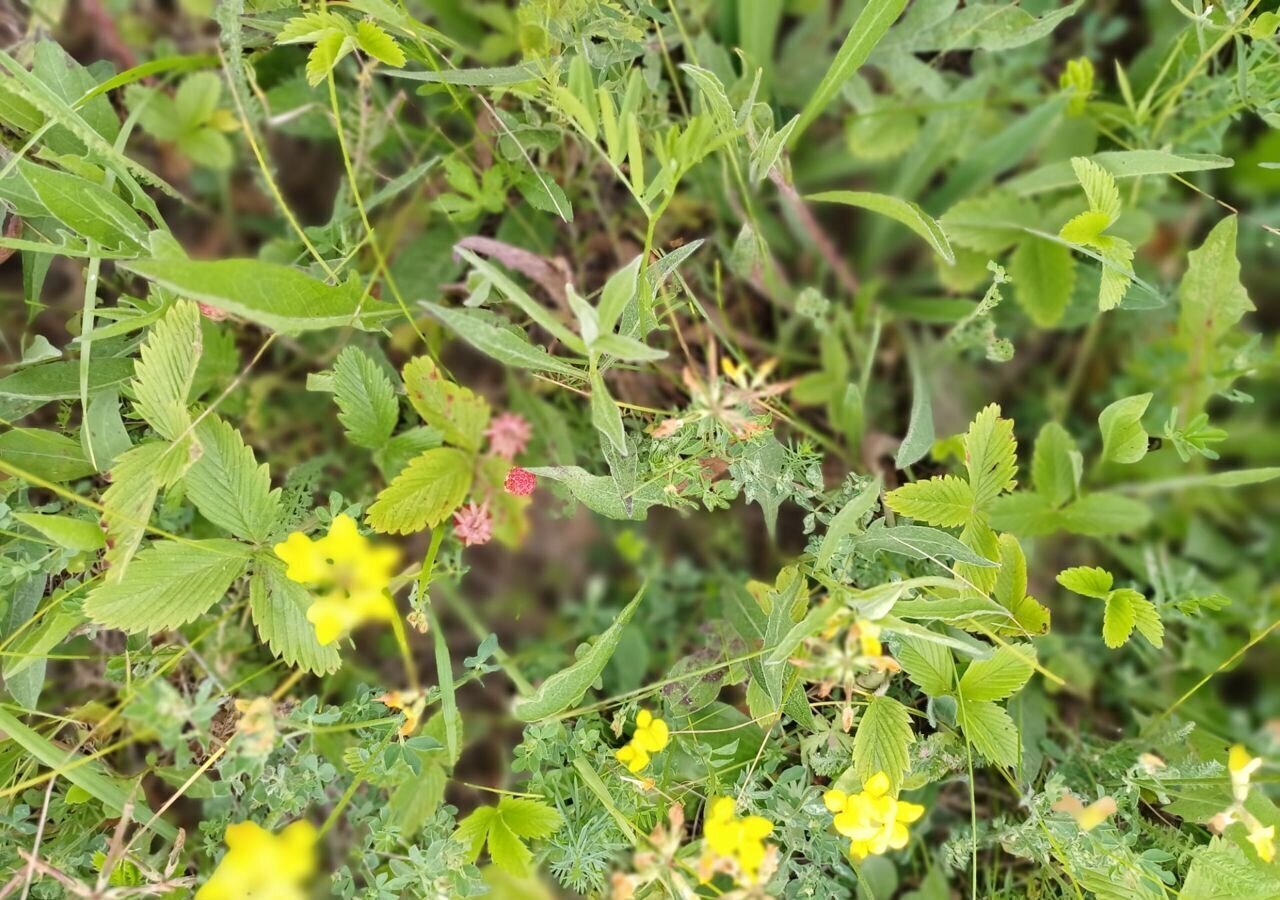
<point x="991" y="731"/>
<point x="166" y="369"/>
<point x="228" y="486"/>
<point x="311" y="27"/>
<point x="1099" y="187"/>
<point x="991" y="455"/>
<point x="457" y="412"/>
<point x="279" y="609"/>
<point x="1010" y="591"/>
<point x="377" y="43"/>
<point x="1146" y="619"/>
<point x="569" y="685"/>
<point x="530" y="819"/>
<point x="883" y="741"/>
<point x="1124" y="440"/>
<point x="366" y="399"/>
<point x="943" y="500"/>
<point x="928" y="664"/>
<point x="1089" y="581"/>
<point x="999" y="676"/>
<point x="1055" y="464"/>
<point x="169" y="584"/>
<point x="1043" y="275"/>
<point x="1117" y="270"/>
<point x="424" y="494"/>
<point x="1120" y="617"/>
<point x="324" y="57"/>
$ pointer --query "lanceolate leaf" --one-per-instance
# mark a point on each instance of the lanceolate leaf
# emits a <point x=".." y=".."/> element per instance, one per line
<point x="904" y="211"/>
<point x="278" y="297"/>
<point x="568" y="686"/>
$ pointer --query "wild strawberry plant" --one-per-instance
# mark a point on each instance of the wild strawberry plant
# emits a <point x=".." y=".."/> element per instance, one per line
<point x="707" y="448"/>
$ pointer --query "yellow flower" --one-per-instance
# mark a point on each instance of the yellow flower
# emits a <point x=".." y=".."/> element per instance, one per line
<point x="1264" y="841"/>
<point x="633" y="757"/>
<point x="651" y="736"/>
<point x="1241" y="766"/>
<point x="869" y="638"/>
<point x="739" y="840"/>
<point x="261" y="864"/>
<point x="873" y="820"/>
<point x="351" y="573"/>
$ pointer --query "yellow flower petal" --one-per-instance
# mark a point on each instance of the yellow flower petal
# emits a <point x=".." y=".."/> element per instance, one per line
<point x="835" y="800"/>
<point x="643" y="718"/>
<point x="1263" y="840"/>
<point x="305" y="562"/>
<point x="909" y="812"/>
<point x="344" y="542"/>
<point x="877" y="785"/>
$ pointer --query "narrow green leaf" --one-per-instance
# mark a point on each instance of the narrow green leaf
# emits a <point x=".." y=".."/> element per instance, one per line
<point x="568" y="686"/>
<point x="278" y="297"/>
<point x="847" y="521"/>
<point x="904" y="211"/>
<point x="867" y="30"/>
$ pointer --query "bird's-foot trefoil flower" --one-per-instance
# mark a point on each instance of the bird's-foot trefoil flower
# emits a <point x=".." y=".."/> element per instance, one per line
<point x="873" y="819"/>
<point x="651" y="736"/>
<point x="736" y="844"/>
